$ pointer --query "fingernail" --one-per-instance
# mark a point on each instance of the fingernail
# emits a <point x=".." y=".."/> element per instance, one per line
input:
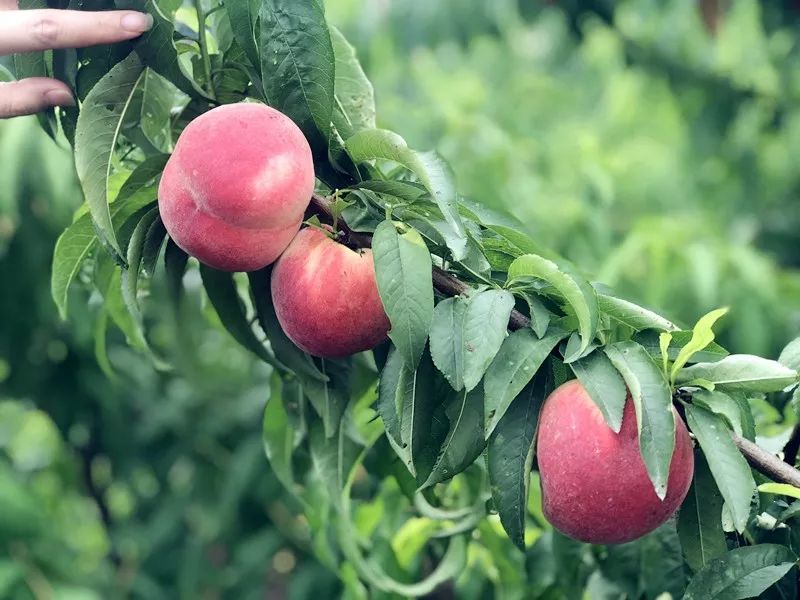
<point x="136" y="22"/>
<point x="59" y="97"/>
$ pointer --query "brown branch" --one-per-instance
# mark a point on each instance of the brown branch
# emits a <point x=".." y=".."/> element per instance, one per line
<point x="449" y="285"/>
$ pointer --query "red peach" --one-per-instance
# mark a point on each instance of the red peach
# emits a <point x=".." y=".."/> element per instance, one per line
<point x="235" y="189"/>
<point x="326" y="297"/>
<point x="594" y="482"/>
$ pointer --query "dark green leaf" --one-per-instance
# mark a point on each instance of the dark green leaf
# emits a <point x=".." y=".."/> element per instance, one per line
<point x="130" y="276"/>
<point x="700" y="518"/>
<point x="221" y="290"/>
<point x="297" y="66"/>
<point x="518" y="360"/>
<point x="510" y="454"/>
<point x="153" y="241"/>
<point x="331" y="396"/>
<point x="277" y="435"/>
<point x="741" y="573"/>
<point x="243" y="16"/>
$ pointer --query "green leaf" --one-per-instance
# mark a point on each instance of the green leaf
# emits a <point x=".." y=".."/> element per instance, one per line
<point x="154" y="240"/>
<point x="464" y="441"/>
<point x="782" y="489"/>
<point x="334" y="457"/>
<point x="155" y="119"/>
<point x="540" y="316"/>
<point x="650" y="340"/>
<point x="130" y="276"/>
<point x="297" y="66"/>
<point x="728" y="466"/>
<point x="429" y="167"/>
<point x="723" y="405"/>
<point x="509" y="456"/>
<point x="632" y="315"/>
<point x="278" y="436"/>
<point x="700" y="518"/>
<point x="243" y="15"/>
<point x="605" y="386"/>
<point x="72" y="247"/>
<point x="96" y="137"/>
<point x="741" y="573"/>
<point x="518" y="243"/>
<point x="403" y="272"/>
<point x="156" y="49"/>
<point x="790" y="356"/>
<point x="742" y="372"/>
<point x="354" y="107"/>
<point x="406" y="403"/>
<point x="330" y="397"/>
<point x="575" y="290"/>
<point x="518" y="360"/>
<point x="224" y="297"/>
<point x="655" y="417"/>
<point x="467" y="333"/>
<point x="289" y="355"/>
<point x="702" y="336"/>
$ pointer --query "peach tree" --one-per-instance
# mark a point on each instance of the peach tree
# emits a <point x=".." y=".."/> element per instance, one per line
<point x="432" y="433"/>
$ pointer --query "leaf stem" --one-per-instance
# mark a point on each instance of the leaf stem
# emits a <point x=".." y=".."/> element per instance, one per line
<point x="201" y="34"/>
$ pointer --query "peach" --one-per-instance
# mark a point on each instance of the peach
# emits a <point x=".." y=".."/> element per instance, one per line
<point x="326" y="297"/>
<point x="235" y="189"/>
<point x="594" y="482"/>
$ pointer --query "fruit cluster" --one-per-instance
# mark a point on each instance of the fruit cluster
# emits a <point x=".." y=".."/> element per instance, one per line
<point x="234" y="195"/>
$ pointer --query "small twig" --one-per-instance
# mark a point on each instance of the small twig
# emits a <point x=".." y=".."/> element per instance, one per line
<point x="449" y="285"/>
<point x="201" y="32"/>
<point x="767" y="463"/>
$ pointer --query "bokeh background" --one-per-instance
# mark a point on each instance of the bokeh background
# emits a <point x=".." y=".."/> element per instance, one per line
<point x="656" y="144"/>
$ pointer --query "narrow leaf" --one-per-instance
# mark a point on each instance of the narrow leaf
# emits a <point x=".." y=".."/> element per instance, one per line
<point x="728" y="466"/>
<point x="702" y="336"/>
<point x="654" y="414"/>
<point x="632" y="315"/>
<point x="518" y="360"/>
<point x="742" y="372"/>
<point x="575" y="290"/>
<point x="605" y="386"/>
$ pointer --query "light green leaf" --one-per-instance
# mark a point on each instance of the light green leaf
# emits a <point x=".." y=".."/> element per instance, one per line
<point x="702" y="336"/>
<point x="575" y="290"/>
<point x="354" y="107"/>
<point x="728" y="466"/>
<point x="742" y="372"/>
<point x="790" y="356"/>
<point x="605" y="386"/>
<point x="403" y="272"/>
<point x="429" y="167"/>
<point x="632" y="315"/>
<point x="72" y="247"/>
<point x="518" y="360"/>
<point x="651" y="341"/>
<point x="741" y="573"/>
<point x="96" y="137"/>
<point x="782" y="489"/>
<point x="663" y="345"/>
<point x="654" y="414"/>
<point x="467" y="333"/>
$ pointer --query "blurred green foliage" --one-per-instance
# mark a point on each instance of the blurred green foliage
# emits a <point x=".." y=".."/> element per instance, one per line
<point x="655" y="149"/>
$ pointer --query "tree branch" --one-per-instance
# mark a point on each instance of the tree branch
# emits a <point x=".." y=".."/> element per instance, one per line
<point x="449" y="285"/>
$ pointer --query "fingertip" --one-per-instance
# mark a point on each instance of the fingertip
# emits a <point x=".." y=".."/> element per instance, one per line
<point x="136" y="22"/>
<point x="59" y="97"/>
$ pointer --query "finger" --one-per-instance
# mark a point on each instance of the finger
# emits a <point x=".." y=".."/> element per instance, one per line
<point x="28" y="96"/>
<point x="32" y="30"/>
<point x="8" y="4"/>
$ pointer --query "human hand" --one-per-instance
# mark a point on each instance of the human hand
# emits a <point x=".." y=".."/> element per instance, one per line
<point x="48" y="29"/>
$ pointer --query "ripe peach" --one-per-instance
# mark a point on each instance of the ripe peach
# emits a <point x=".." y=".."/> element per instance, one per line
<point x="326" y="297"/>
<point x="595" y="486"/>
<point x="235" y="189"/>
